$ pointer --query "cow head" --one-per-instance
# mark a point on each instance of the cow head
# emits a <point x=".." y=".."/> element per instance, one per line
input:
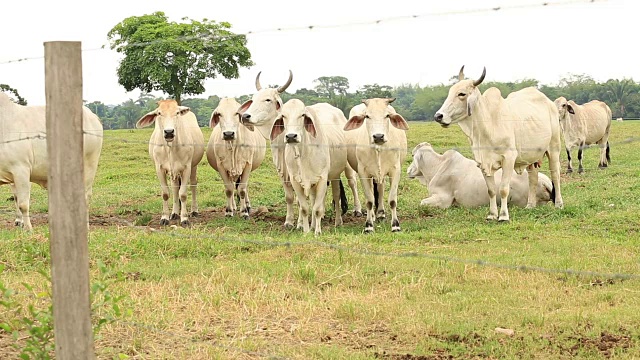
<point x="419" y="153"/>
<point x="564" y="107"/>
<point x="294" y="119"/>
<point x="377" y="114"/>
<point x="166" y="118"/>
<point x="461" y="100"/>
<point x="226" y="116"/>
<point x="264" y="105"/>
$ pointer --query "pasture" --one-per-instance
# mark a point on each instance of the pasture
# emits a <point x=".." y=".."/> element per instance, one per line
<point x="228" y="288"/>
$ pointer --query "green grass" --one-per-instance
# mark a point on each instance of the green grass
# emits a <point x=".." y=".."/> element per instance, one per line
<point x="227" y="288"/>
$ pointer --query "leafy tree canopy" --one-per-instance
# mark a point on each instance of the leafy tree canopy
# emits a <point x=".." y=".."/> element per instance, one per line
<point x="176" y="58"/>
<point x="13" y="94"/>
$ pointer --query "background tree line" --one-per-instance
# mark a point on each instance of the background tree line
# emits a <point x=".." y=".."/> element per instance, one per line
<point x="412" y="101"/>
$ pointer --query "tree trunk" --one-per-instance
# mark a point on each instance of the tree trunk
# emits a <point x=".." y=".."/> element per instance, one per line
<point x="178" y="99"/>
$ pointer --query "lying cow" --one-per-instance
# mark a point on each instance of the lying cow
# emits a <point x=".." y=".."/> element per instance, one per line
<point x="176" y="147"/>
<point x="234" y="152"/>
<point x="453" y="179"/>
<point x="23" y="152"/>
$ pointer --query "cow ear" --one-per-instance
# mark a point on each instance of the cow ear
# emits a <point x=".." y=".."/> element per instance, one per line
<point x="215" y="119"/>
<point x="183" y="110"/>
<point x="147" y="120"/>
<point x="570" y="109"/>
<point x="398" y="122"/>
<point x="278" y="103"/>
<point x="278" y="128"/>
<point x="354" y="123"/>
<point x="308" y="122"/>
<point x="471" y="101"/>
<point x="244" y="106"/>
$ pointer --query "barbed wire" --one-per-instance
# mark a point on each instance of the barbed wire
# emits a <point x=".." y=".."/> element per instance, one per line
<point x="378" y="21"/>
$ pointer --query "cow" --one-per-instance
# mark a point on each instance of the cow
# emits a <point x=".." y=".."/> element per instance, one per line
<point x="583" y="125"/>
<point x="260" y="113"/>
<point x="315" y="153"/>
<point x="619" y="119"/>
<point x="23" y="152"/>
<point x="380" y="149"/>
<point x="508" y="134"/>
<point x="454" y="180"/>
<point x="176" y="147"/>
<point x="234" y="152"/>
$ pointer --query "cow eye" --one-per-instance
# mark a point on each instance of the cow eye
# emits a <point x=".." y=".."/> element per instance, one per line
<point x="388" y="116"/>
<point x="268" y="100"/>
<point x="366" y="116"/>
<point x="564" y="105"/>
<point x="462" y="94"/>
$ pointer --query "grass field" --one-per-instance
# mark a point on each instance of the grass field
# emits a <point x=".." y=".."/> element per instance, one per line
<point x="227" y="288"/>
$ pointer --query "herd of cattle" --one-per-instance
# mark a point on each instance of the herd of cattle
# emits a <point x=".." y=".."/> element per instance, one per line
<point x="313" y="145"/>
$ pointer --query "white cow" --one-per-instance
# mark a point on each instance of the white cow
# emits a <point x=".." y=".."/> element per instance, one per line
<point x="380" y="151"/>
<point x="509" y="134"/>
<point x="315" y="153"/>
<point x="234" y="152"/>
<point x="454" y="180"/>
<point x="23" y="152"/>
<point x="583" y="125"/>
<point x="619" y="119"/>
<point x="176" y="147"/>
<point x="260" y="113"/>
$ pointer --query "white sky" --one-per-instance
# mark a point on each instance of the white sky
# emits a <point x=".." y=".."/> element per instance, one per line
<point x="544" y="43"/>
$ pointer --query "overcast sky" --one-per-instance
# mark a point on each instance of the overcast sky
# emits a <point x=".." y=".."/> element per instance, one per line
<point x="541" y="42"/>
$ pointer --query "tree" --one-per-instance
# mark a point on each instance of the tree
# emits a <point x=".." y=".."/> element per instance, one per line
<point x="176" y="57"/>
<point x="618" y="93"/>
<point x="374" y="91"/>
<point x="16" y="98"/>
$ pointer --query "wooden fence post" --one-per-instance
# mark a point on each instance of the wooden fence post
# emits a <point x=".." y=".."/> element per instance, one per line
<point x="67" y="203"/>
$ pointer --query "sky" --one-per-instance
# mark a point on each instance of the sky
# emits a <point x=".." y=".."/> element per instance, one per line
<point x="541" y="42"/>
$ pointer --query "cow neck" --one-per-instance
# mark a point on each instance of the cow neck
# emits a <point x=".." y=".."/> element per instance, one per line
<point x="480" y="125"/>
<point x="303" y="153"/>
<point x="430" y="164"/>
<point x="265" y="129"/>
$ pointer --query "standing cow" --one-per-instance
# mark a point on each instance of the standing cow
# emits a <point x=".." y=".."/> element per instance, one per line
<point x="176" y="147"/>
<point x="23" y="152"/>
<point x="234" y="152"/>
<point x="380" y="148"/>
<point x="508" y="134"/>
<point x="260" y="113"/>
<point x="584" y="125"/>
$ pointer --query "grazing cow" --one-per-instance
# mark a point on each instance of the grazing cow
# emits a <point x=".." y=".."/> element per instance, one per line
<point x="583" y="125"/>
<point x="453" y="179"/>
<point x="314" y="154"/>
<point x="380" y="150"/>
<point x="234" y="152"/>
<point x="619" y="119"/>
<point x="176" y="147"/>
<point x="260" y="113"/>
<point x="508" y="134"/>
<point x="23" y="152"/>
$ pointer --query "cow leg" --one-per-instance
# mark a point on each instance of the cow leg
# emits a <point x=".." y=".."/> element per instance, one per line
<point x="554" y="170"/>
<point x="367" y="186"/>
<point x="193" y="185"/>
<point x="175" y="189"/>
<point x="569" y="167"/>
<point x="304" y="206"/>
<point x="353" y="185"/>
<point x="532" y="199"/>
<point x="289" y="195"/>
<point x="603" y="153"/>
<point x="184" y="186"/>
<point x="22" y="193"/>
<point x="318" y="204"/>
<point x="164" y="219"/>
<point x="442" y="201"/>
<point x="580" y="168"/>
<point x="380" y="213"/>
<point x="18" y="222"/>
<point x="491" y="190"/>
<point x="245" y="206"/>
<point x="335" y="191"/>
<point x="229" y="187"/>
<point x="393" y="200"/>
<point x="505" y="182"/>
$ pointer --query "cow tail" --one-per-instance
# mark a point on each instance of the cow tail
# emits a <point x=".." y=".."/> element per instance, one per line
<point x="608" y="155"/>
<point x="376" y="195"/>
<point x="553" y="192"/>
<point x="344" y="205"/>
<point x="238" y="195"/>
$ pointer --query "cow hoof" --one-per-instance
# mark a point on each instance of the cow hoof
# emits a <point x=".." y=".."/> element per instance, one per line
<point x="503" y="220"/>
<point x="357" y="213"/>
<point x="245" y="216"/>
<point x="368" y="230"/>
<point x="395" y="229"/>
<point x="164" y="222"/>
<point x="381" y="216"/>
<point x="195" y="214"/>
<point x="228" y="214"/>
<point x="174" y="216"/>
<point x="580" y="171"/>
<point x="19" y="223"/>
<point x="491" y="217"/>
<point x="288" y="226"/>
<point x="559" y="205"/>
<point x="184" y="223"/>
<point x="569" y="171"/>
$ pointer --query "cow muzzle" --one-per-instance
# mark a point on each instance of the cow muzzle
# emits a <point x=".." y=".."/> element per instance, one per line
<point x="379" y="139"/>
<point x="169" y="134"/>
<point x="228" y="135"/>
<point x="291" y="138"/>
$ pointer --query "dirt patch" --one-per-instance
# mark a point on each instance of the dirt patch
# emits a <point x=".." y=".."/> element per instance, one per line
<point x="606" y="343"/>
<point x="438" y="355"/>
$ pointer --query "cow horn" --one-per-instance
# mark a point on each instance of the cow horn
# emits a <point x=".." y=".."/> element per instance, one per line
<point x="284" y="87"/>
<point x="479" y="81"/>
<point x="461" y="73"/>
<point x="258" y="87"/>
